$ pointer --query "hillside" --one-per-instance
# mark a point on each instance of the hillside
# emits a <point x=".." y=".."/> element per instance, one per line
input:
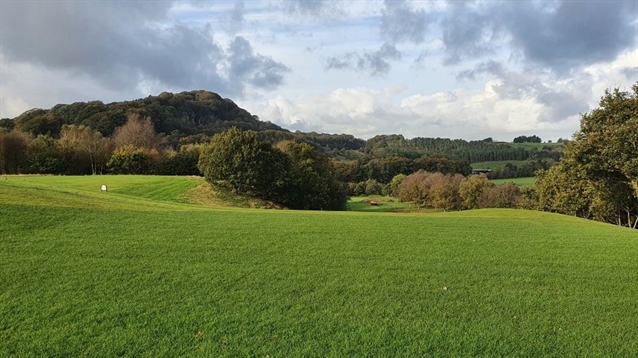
<point x="194" y="112"/>
<point x="137" y="271"/>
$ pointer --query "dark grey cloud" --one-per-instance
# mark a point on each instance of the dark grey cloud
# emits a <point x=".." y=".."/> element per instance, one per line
<point x="468" y="32"/>
<point x="401" y="23"/>
<point x="375" y="63"/>
<point x="573" y="33"/>
<point x="259" y="71"/>
<point x="123" y="43"/>
<point x="558" y="35"/>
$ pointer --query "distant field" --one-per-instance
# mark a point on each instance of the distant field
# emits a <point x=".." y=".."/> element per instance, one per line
<point x="496" y="165"/>
<point x="522" y="182"/>
<point x="139" y="271"/>
<point x="383" y="203"/>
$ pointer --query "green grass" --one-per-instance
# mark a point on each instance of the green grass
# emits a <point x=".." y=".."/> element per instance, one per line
<point x="384" y="204"/>
<point x="140" y="272"/>
<point x="522" y="182"/>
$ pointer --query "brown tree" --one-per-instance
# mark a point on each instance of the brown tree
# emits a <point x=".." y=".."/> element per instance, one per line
<point x="86" y="147"/>
<point x="137" y="132"/>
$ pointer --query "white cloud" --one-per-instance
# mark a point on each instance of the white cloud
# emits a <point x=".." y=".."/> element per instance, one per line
<point x="270" y="56"/>
<point x="545" y="110"/>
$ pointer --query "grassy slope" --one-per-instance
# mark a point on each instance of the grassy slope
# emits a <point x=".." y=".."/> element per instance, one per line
<point x="87" y="274"/>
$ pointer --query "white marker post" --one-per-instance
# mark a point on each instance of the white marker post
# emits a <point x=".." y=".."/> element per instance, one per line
<point x="103" y="187"/>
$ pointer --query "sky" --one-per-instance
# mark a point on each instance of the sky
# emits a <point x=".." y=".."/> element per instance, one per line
<point x="420" y="68"/>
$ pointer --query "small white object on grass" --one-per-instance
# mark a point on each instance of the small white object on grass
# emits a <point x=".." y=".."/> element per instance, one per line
<point x="103" y="187"/>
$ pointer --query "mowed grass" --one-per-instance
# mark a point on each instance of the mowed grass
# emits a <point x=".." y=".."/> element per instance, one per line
<point x="103" y="274"/>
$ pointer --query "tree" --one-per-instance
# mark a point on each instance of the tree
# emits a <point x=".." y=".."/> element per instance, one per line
<point x="507" y="195"/>
<point x="137" y="132"/>
<point x="526" y="139"/>
<point x="471" y="189"/>
<point x="86" y="147"/>
<point x="607" y="143"/>
<point x="44" y="156"/>
<point x="131" y="160"/>
<point x="415" y="188"/>
<point x="444" y="191"/>
<point x="182" y="162"/>
<point x="598" y="176"/>
<point x="13" y="150"/>
<point x="310" y="181"/>
<point x="392" y="188"/>
<point x="239" y="161"/>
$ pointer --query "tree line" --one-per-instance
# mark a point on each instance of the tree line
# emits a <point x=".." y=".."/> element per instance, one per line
<point x="133" y="148"/>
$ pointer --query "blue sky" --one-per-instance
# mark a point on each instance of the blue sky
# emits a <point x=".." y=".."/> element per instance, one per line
<point x="457" y="69"/>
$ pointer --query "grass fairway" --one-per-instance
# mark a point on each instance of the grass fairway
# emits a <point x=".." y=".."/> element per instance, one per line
<point x="139" y="272"/>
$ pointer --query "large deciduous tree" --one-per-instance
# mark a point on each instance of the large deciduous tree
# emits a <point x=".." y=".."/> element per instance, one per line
<point x="137" y="131"/>
<point x="239" y="161"/>
<point x="311" y="178"/>
<point x="598" y="176"/>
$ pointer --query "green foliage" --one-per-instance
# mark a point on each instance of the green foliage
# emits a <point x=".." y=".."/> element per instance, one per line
<point x="44" y="156"/>
<point x="310" y="182"/>
<point x="291" y="174"/>
<point x="471" y="189"/>
<point x="183" y="162"/>
<point x="526" y="139"/>
<point x="373" y="187"/>
<point x="392" y="188"/>
<point x="13" y="151"/>
<point x="598" y="177"/>
<point x="7" y="124"/>
<point x="131" y="160"/>
<point x="239" y="161"/>
<point x="188" y="112"/>
<point x="133" y="272"/>
<point x="607" y="143"/>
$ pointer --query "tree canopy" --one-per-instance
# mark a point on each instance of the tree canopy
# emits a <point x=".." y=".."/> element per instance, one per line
<point x="598" y="177"/>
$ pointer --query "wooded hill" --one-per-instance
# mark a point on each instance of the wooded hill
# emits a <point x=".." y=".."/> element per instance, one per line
<point x="188" y="118"/>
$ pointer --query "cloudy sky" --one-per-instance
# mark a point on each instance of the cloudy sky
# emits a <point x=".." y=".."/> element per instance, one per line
<point x="431" y="68"/>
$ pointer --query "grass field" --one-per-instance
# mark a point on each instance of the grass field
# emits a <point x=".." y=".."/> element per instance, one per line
<point x="522" y="182"/>
<point x="383" y="204"/>
<point x="138" y="271"/>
